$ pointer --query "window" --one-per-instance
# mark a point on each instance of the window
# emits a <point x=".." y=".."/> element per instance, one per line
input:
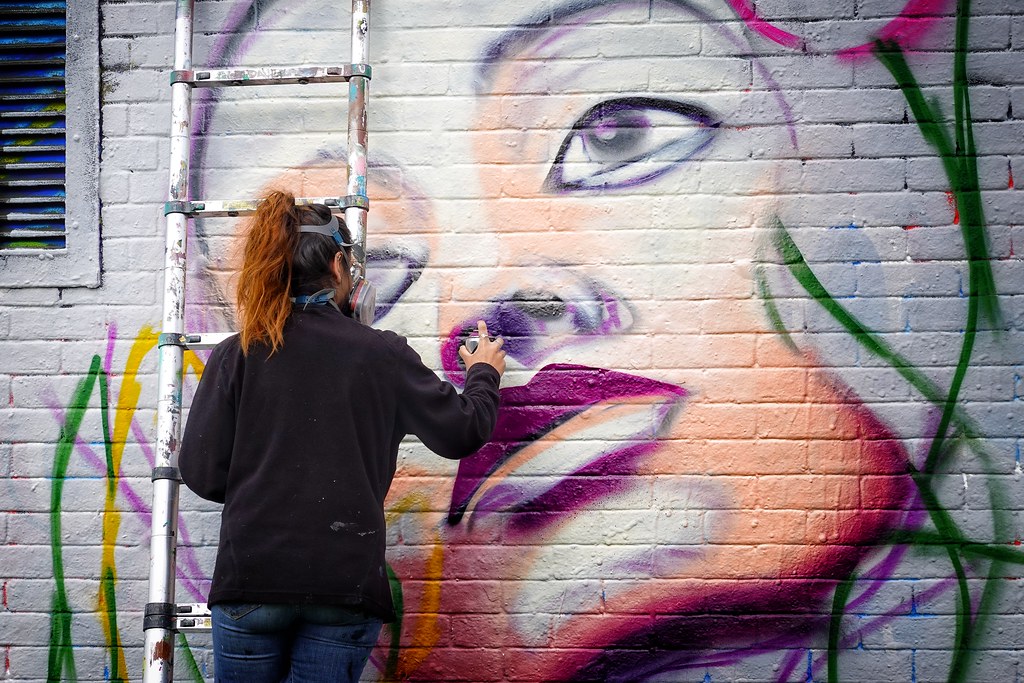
<point x="49" y="133"/>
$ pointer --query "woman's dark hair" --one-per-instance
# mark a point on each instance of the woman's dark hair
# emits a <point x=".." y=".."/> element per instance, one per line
<point x="279" y="262"/>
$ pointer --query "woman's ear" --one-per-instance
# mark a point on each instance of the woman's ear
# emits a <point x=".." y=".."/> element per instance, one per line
<point x="337" y="266"/>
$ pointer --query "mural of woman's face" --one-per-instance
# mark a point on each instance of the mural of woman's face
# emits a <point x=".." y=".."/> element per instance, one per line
<point x="591" y="184"/>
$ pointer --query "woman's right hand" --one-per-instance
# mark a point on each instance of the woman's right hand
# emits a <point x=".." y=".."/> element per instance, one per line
<point x="487" y="351"/>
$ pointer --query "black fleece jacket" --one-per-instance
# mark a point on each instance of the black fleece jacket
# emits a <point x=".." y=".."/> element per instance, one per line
<point x="301" y="447"/>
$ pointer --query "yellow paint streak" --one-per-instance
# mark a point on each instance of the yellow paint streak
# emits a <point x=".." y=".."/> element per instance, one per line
<point x="127" y="403"/>
<point x="424" y="631"/>
<point x="194" y="363"/>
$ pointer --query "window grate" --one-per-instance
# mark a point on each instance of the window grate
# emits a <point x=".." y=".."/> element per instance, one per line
<point x="32" y="125"/>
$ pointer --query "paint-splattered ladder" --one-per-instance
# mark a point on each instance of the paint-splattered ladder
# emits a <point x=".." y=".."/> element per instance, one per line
<point x="164" y="618"/>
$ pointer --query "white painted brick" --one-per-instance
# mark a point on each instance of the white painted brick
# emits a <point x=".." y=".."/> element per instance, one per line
<point x="853" y="106"/>
<point x="801" y="72"/>
<point x="990" y="103"/>
<point x="998" y="138"/>
<point x="928" y="69"/>
<point x="721" y="39"/>
<point x="695" y="74"/>
<point x="854" y="175"/>
<point x="6" y="449"/>
<point x="882" y="140"/>
<point x="115" y="53"/>
<point x="134" y="19"/>
<point x="36" y="296"/>
<point x="132" y="221"/>
<point x="882" y="8"/>
<point x="28" y="357"/>
<point x="929" y="174"/>
<point x="87" y="321"/>
<point x="131" y="153"/>
<point x="128" y="86"/>
<point x="149" y="118"/>
<point x="1001" y="68"/>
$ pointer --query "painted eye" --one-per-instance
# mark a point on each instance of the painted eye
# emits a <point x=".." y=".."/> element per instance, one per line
<point x="629" y="141"/>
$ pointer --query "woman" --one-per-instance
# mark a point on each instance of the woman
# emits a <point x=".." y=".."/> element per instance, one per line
<point x="295" y="427"/>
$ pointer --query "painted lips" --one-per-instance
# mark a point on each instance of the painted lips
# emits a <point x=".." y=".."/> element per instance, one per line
<point x="557" y="435"/>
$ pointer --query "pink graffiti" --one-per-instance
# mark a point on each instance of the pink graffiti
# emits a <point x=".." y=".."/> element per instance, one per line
<point x="748" y="14"/>
<point x="917" y="18"/>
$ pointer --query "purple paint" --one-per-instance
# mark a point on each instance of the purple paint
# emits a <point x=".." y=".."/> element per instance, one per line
<point x="108" y="358"/>
<point x="556" y="394"/>
<point x="135" y="502"/>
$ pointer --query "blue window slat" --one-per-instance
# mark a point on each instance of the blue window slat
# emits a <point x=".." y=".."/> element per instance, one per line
<point x="40" y="212"/>
<point x="53" y="176"/>
<point x="31" y="158"/>
<point x="33" y="125"/>
<point x="57" y="193"/>
<point x="37" y="7"/>
<point x="36" y="55"/>
<point x="13" y="145"/>
<point x="26" y="72"/>
<point x="28" y="41"/>
<point x="48" y="107"/>
<point x="12" y="228"/>
<point x="31" y="90"/>
<point x="28" y="24"/>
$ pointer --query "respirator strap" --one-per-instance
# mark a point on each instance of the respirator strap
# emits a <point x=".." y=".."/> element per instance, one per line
<point x="331" y="229"/>
<point x="325" y="297"/>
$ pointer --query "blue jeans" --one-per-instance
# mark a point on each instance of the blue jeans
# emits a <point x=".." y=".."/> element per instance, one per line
<point x="265" y="643"/>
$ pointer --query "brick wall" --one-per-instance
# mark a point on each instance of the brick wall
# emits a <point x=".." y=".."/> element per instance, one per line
<point x="761" y="285"/>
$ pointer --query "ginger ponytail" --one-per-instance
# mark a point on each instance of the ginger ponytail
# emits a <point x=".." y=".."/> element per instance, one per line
<point x="271" y="236"/>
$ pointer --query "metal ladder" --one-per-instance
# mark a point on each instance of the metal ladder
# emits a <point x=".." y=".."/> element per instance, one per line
<point x="163" y="618"/>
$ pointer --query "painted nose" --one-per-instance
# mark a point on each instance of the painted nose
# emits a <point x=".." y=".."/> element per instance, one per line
<point x="537" y="322"/>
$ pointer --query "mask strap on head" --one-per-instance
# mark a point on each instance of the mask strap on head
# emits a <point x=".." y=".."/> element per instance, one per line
<point x="330" y="229"/>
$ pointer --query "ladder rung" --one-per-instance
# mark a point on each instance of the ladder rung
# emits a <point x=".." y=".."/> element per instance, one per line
<point x="192" y="617"/>
<point x="193" y="342"/>
<point x="245" y="207"/>
<point x="300" y="75"/>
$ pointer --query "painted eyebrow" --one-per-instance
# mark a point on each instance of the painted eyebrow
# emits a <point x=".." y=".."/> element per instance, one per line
<point x="535" y="28"/>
